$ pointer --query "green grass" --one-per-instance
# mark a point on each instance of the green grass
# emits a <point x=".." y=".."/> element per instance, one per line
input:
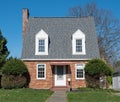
<point x="93" y="96"/>
<point x="24" y="95"/>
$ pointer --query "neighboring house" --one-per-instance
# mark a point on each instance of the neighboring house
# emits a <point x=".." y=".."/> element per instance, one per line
<point x="56" y="49"/>
<point x="116" y="78"/>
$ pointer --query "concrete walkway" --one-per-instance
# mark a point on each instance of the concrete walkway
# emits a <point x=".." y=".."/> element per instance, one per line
<point x="58" y="96"/>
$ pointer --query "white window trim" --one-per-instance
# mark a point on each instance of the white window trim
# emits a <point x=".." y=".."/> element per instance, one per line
<point x="41" y="35"/>
<point x="78" y="35"/>
<point x="37" y="72"/>
<point x="80" y="67"/>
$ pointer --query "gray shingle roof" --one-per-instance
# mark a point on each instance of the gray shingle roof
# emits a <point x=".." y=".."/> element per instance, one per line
<point x="60" y="32"/>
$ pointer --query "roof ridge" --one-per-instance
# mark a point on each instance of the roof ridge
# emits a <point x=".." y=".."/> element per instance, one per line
<point x="64" y="17"/>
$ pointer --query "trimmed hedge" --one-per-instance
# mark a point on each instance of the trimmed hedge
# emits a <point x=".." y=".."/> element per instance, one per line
<point x="14" y="74"/>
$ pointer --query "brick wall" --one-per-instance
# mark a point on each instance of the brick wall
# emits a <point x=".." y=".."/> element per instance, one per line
<point x="49" y="81"/>
<point x="37" y="83"/>
<point x="75" y="83"/>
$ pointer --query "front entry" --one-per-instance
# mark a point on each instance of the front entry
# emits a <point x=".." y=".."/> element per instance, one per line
<point x="60" y="76"/>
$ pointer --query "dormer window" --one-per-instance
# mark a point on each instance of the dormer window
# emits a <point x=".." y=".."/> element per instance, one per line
<point x="78" y="43"/>
<point x="41" y="47"/>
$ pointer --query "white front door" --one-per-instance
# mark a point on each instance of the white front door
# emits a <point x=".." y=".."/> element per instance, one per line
<point x="60" y="76"/>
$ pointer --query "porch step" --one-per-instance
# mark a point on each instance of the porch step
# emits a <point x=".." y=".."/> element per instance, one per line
<point x="59" y="88"/>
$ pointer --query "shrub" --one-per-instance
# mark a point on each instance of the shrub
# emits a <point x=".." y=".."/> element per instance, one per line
<point x="14" y="67"/>
<point x="109" y="80"/>
<point x="12" y="81"/>
<point x="98" y="67"/>
<point x="92" y="81"/>
<point x="95" y="69"/>
<point x="14" y="74"/>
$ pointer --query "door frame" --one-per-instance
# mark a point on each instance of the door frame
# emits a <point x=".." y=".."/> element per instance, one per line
<point x="63" y="82"/>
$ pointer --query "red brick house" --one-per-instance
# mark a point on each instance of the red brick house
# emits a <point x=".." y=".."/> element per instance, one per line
<point x="56" y="49"/>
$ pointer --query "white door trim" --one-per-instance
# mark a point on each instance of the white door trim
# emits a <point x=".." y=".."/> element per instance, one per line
<point x="60" y="82"/>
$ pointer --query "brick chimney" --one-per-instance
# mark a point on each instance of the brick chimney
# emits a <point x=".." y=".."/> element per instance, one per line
<point x="25" y="13"/>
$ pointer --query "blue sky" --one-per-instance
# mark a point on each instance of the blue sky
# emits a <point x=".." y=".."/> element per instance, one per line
<point x="11" y="16"/>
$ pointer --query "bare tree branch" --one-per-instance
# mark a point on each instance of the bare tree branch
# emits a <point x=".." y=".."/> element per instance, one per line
<point x="107" y="29"/>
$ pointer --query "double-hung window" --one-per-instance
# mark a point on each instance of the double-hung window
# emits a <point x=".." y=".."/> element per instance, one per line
<point x="41" y="45"/>
<point x="41" y="71"/>
<point x="80" y="73"/>
<point x="78" y="45"/>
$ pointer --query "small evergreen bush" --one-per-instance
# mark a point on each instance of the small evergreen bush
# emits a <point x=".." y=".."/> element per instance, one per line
<point x="14" y="74"/>
<point x="95" y="69"/>
<point x="14" y="67"/>
<point x="98" y="67"/>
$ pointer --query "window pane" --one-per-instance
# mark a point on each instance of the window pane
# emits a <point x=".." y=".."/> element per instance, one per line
<point x="41" y="46"/>
<point x="40" y="66"/>
<point x="79" y="73"/>
<point x="78" y="45"/>
<point x="78" y="48"/>
<point x="78" y="42"/>
<point x="41" y="42"/>
<point x="41" y="71"/>
<point x="60" y="72"/>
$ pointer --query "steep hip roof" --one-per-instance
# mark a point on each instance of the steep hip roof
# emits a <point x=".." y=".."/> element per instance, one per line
<point x="60" y="30"/>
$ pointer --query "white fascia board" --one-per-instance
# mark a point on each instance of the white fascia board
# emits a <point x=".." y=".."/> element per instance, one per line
<point x="56" y="59"/>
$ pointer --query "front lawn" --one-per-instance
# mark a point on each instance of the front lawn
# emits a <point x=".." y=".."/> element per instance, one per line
<point x="24" y="95"/>
<point x="93" y="96"/>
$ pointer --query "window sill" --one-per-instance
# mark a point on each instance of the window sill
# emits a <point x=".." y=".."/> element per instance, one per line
<point x="80" y="78"/>
<point x="41" y="78"/>
<point x="41" y="53"/>
<point x="79" y="53"/>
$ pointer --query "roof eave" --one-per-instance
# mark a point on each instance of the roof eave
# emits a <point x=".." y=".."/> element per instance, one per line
<point x="84" y="59"/>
